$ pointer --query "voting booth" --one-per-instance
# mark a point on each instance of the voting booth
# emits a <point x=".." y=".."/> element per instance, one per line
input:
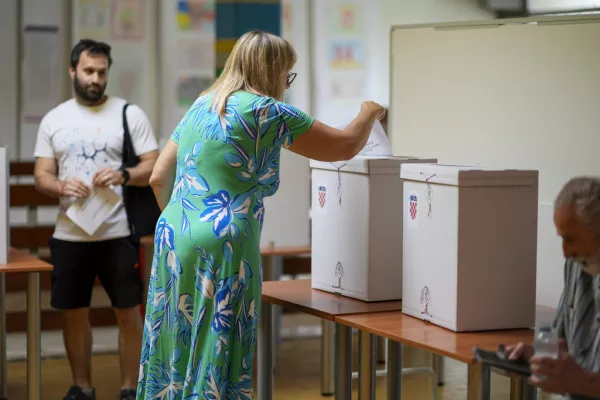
<point x="469" y="246"/>
<point x="357" y="226"/>
<point x="4" y="206"/>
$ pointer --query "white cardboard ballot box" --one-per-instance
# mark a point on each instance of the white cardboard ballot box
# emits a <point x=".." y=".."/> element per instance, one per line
<point x="357" y="227"/>
<point x="469" y="246"/>
<point x="4" y="206"/>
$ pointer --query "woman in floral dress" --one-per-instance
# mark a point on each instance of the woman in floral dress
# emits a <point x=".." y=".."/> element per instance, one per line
<point x="210" y="180"/>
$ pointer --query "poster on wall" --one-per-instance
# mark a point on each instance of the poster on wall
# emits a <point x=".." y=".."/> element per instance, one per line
<point x="41" y="71"/>
<point x="346" y="54"/>
<point x="196" y="55"/>
<point x="196" y="16"/>
<point x="287" y="27"/>
<point x="348" y="87"/>
<point x="93" y="17"/>
<point x="189" y="89"/>
<point x="345" y="18"/>
<point x="128" y="20"/>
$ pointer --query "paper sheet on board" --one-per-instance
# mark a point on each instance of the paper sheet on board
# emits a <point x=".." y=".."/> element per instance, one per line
<point x="91" y="212"/>
<point x="378" y="145"/>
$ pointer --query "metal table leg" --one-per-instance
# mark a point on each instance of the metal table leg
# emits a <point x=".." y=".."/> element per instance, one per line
<point x="521" y="390"/>
<point x="265" y="353"/>
<point x="3" y="371"/>
<point x="366" y="379"/>
<point x="271" y="272"/>
<point x="438" y="366"/>
<point x="381" y="349"/>
<point x="34" y="337"/>
<point x="394" y="370"/>
<point x="478" y="382"/>
<point x="327" y="358"/>
<point x="343" y="362"/>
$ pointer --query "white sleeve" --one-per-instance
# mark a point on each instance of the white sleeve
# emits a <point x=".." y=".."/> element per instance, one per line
<point x="140" y="129"/>
<point x="43" y="145"/>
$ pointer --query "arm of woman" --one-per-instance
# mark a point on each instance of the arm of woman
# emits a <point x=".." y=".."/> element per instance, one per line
<point x="163" y="174"/>
<point x="324" y="143"/>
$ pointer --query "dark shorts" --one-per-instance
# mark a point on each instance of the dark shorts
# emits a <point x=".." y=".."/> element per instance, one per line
<point x="76" y="264"/>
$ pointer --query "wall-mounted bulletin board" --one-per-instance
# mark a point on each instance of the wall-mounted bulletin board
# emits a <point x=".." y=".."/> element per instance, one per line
<point x="129" y="27"/>
<point x="187" y="48"/>
<point x="346" y="54"/>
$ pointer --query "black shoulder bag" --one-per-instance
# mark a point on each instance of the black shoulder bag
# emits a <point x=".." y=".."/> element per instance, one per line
<point x="140" y="203"/>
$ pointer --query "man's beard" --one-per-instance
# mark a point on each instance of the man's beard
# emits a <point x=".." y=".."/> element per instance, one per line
<point x="91" y="93"/>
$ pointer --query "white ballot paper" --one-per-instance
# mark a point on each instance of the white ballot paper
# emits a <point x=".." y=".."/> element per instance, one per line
<point x="91" y="212"/>
<point x="378" y="145"/>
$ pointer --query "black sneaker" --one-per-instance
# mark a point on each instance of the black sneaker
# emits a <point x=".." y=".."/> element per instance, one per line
<point x="127" y="394"/>
<point x="75" y="393"/>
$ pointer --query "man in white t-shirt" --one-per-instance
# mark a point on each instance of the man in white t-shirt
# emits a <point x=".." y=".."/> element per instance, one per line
<point x="79" y="147"/>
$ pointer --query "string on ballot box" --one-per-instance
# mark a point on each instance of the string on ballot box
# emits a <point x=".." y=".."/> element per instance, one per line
<point x="428" y="192"/>
<point x="339" y="187"/>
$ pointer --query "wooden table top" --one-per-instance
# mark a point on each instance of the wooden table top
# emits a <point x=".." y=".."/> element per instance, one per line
<point x="266" y="251"/>
<point x="414" y="332"/>
<point x="269" y="251"/>
<point x="298" y="295"/>
<point x="20" y="261"/>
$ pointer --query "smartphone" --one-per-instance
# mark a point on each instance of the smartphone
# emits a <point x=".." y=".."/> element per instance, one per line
<point x="496" y="359"/>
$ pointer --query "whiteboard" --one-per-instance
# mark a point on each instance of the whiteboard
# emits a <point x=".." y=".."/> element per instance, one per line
<point x="513" y="95"/>
<point x="506" y="93"/>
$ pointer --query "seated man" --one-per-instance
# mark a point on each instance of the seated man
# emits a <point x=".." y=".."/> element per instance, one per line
<point x="576" y="372"/>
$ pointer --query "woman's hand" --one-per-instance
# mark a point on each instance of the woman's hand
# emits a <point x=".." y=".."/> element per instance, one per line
<point x="374" y="109"/>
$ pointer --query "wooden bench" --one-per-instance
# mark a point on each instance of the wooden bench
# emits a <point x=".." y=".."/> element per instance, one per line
<point x="33" y="237"/>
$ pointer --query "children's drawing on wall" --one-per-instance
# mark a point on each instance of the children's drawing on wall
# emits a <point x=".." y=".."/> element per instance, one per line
<point x="93" y="19"/>
<point x="196" y="55"/>
<point x="347" y="87"/>
<point x="346" y="54"/>
<point x="196" y="16"/>
<point x="128" y="20"/>
<point x="286" y="21"/>
<point x="346" y="17"/>
<point x="338" y="273"/>
<point x="189" y="89"/>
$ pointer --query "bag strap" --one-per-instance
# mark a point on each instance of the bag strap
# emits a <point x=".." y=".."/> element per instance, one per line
<point x="127" y="141"/>
<point x="126" y="133"/>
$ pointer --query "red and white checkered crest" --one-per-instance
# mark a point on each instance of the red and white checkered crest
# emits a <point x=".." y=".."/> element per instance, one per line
<point x="322" y="191"/>
<point x="413" y="206"/>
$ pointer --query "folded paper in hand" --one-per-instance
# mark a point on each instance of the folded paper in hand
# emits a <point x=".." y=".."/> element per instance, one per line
<point x="378" y="145"/>
<point x="91" y="212"/>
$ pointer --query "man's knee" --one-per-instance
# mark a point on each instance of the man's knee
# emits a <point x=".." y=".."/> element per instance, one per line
<point x="76" y="316"/>
<point x="129" y="318"/>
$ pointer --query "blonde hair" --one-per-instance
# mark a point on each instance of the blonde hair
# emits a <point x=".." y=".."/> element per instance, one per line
<point x="256" y="64"/>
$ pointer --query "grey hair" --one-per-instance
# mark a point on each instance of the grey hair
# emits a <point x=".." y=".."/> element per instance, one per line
<point x="582" y="193"/>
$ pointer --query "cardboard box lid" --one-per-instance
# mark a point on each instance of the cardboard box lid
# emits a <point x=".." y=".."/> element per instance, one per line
<point x="374" y="165"/>
<point x="464" y="175"/>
